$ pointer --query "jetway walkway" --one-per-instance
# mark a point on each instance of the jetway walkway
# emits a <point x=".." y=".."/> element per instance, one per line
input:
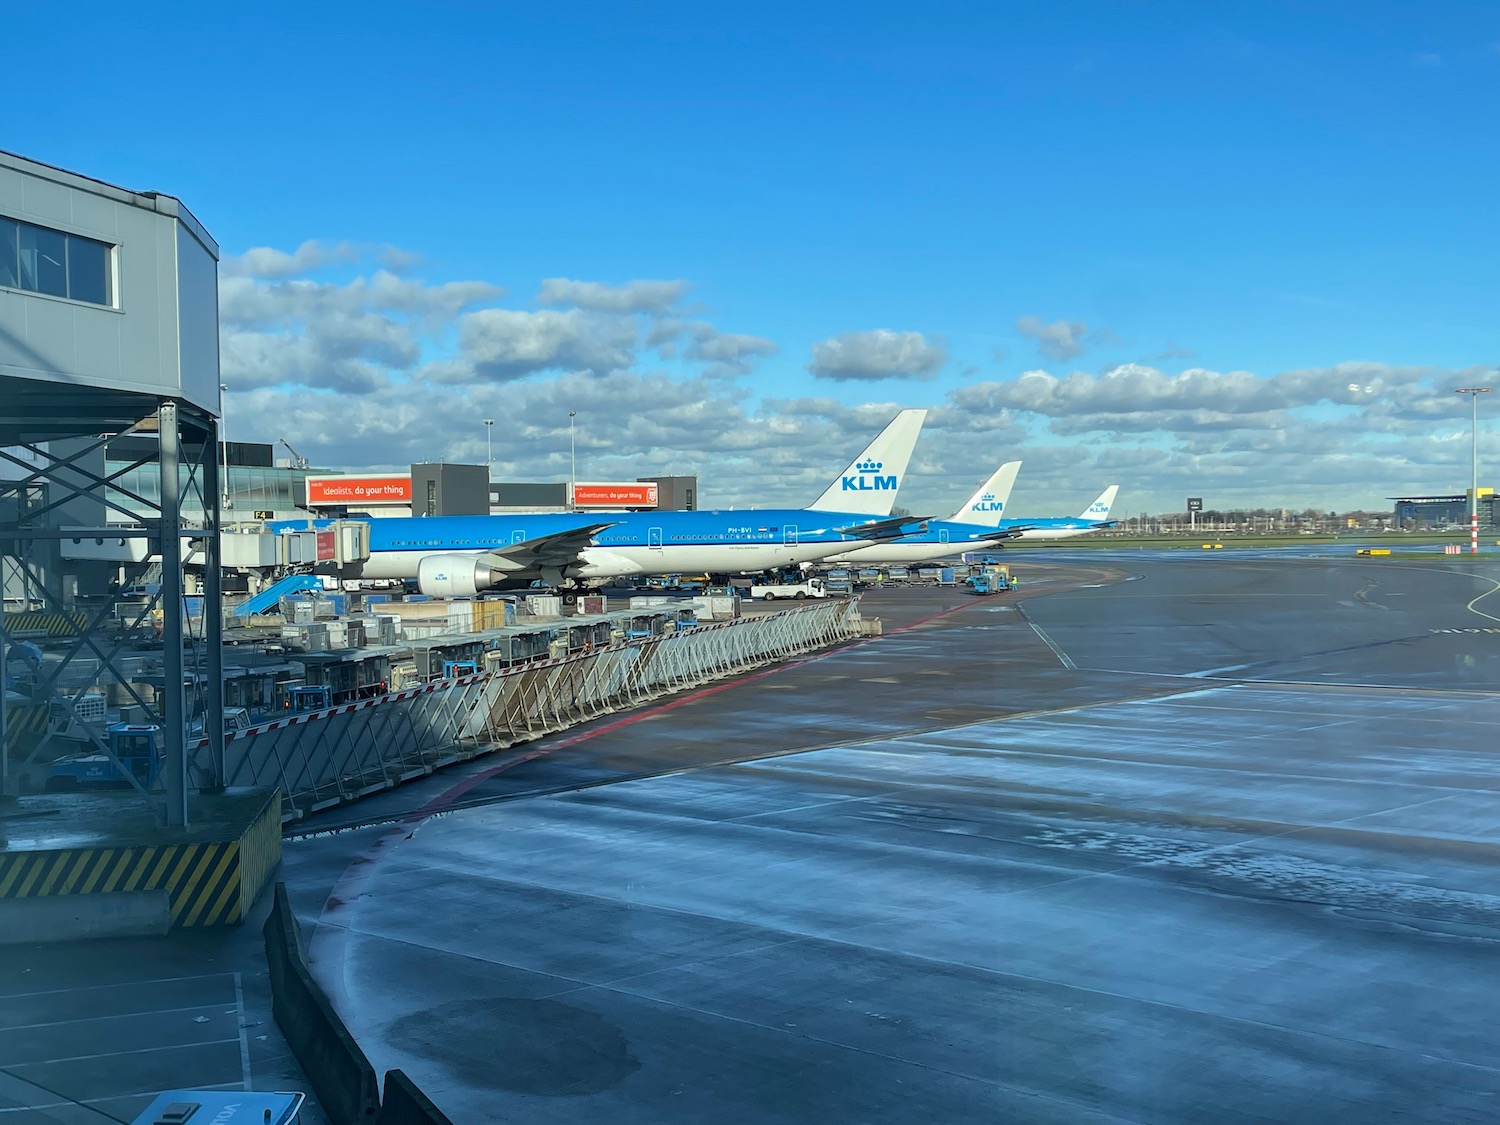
<point x="322" y="758"/>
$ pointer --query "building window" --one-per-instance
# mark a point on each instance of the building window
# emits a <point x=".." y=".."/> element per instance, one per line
<point x="42" y="260"/>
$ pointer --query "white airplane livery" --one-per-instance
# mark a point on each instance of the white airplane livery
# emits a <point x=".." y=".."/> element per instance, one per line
<point x="459" y="556"/>
<point x="1093" y="518"/>
<point x="975" y="524"/>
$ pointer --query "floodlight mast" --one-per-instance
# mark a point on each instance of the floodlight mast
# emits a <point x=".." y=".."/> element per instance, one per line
<point x="1474" y="393"/>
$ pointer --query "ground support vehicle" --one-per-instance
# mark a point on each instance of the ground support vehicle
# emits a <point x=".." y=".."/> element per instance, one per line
<point x="811" y="588"/>
<point x="309" y="698"/>
<point x="137" y="748"/>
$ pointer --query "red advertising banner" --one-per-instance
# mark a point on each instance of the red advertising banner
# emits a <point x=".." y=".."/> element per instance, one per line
<point x="327" y="547"/>
<point x="632" y="494"/>
<point x="358" y="490"/>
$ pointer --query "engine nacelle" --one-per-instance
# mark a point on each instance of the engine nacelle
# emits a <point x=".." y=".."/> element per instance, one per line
<point x="598" y="562"/>
<point x="455" y="576"/>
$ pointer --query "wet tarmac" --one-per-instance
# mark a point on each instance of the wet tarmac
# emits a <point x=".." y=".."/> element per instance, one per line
<point x="1162" y="840"/>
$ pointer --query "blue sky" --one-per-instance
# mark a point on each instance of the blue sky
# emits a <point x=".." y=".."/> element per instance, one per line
<point x="1251" y="247"/>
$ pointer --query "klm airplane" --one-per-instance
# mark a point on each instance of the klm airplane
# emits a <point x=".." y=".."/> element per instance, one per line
<point x="459" y="556"/>
<point x="977" y="520"/>
<point x="1093" y="518"/>
<point x="979" y="526"/>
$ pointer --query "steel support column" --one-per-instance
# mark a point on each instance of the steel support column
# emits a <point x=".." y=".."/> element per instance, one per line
<point x="213" y="615"/>
<point x="174" y="722"/>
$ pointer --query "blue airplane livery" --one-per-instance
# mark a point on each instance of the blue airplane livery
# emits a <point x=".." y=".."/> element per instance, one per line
<point x="978" y="526"/>
<point x="976" y="521"/>
<point x="459" y="556"/>
<point x="870" y="480"/>
<point x="1094" y="518"/>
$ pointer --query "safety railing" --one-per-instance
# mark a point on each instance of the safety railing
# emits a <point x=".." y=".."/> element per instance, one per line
<point x="321" y="758"/>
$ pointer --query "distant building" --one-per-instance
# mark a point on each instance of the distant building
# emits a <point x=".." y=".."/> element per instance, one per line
<point x="528" y="496"/>
<point x="1413" y="512"/>
<point x="450" y="490"/>
<point x="675" y="494"/>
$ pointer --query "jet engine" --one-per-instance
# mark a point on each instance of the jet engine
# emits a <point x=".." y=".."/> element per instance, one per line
<point x="455" y="575"/>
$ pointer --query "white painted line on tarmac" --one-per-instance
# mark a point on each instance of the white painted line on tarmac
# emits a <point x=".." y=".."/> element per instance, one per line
<point x="1493" y="587"/>
<point x="114" y="984"/>
<point x="110" y="1016"/>
<point x="11" y="1065"/>
<point x="239" y="1004"/>
<point x="1057" y="652"/>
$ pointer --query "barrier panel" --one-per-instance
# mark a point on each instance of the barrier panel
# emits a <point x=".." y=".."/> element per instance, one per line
<point x="405" y="1104"/>
<point x="321" y="758"/>
<point x="341" y="1076"/>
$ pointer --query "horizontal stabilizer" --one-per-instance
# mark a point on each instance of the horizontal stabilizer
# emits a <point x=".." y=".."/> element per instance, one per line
<point x="893" y="528"/>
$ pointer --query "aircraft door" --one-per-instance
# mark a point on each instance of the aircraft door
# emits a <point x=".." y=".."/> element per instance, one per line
<point x="518" y="536"/>
<point x="942" y="535"/>
<point x="653" y="537"/>
<point x="789" y="535"/>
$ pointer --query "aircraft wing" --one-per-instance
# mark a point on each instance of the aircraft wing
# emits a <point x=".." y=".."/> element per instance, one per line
<point x="558" y="549"/>
<point x="893" y="528"/>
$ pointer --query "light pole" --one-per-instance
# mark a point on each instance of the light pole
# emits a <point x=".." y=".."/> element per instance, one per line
<point x="225" y="499"/>
<point x="1474" y="393"/>
<point x="572" y="459"/>
<point x="489" y="450"/>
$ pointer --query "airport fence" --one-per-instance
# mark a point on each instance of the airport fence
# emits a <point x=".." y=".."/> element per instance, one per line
<point x="321" y="758"/>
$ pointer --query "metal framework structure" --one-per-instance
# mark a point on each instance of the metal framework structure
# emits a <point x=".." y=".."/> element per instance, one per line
<point x="322" y="758"/>
<point x="53" y="438"/>
<point x="131" y="349"/>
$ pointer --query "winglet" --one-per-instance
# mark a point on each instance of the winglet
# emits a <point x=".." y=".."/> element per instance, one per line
<point x="987" y="506"/>
<point x="868" y="486"/>
<point x="1099" y="509"/>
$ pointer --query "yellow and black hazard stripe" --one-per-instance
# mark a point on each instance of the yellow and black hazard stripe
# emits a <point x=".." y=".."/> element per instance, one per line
<point x="202" y="881"/>
<point x="53" y="624"/>
<point x="23" y="722"/>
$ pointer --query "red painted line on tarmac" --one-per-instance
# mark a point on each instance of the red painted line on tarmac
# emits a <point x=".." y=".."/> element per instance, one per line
<point x="932" y="617"/>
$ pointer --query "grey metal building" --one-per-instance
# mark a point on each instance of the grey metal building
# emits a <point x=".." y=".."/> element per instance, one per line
<point x="109" y="327"/>
<point x="675" y="494"/>
<point x="450" y="490"/>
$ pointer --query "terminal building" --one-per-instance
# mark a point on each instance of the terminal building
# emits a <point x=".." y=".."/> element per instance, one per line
<point x="1413" y="513"/>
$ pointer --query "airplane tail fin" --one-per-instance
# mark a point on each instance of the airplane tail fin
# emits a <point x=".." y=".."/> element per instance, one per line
<point x="1099" y="509"/>
<point x="868" y="486"/>
<point x="987" y="506"/>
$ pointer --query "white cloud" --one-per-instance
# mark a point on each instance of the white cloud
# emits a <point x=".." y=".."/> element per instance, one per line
<point x="497" y="345"/>
<point x="268" y="263"/>
<point x="1060" y="340"/>
<point x="1342" y="436"/>
<point x="597" y="296"/>
<point x="352" y="338"/>
<point x="381" y="369"/>
<point x="881" y="354"/>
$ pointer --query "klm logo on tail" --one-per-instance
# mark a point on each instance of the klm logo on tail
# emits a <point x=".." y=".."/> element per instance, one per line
<point x="1098" y="509"/>
<point x="869" y="479"/>
<point x="988" y="503"/>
